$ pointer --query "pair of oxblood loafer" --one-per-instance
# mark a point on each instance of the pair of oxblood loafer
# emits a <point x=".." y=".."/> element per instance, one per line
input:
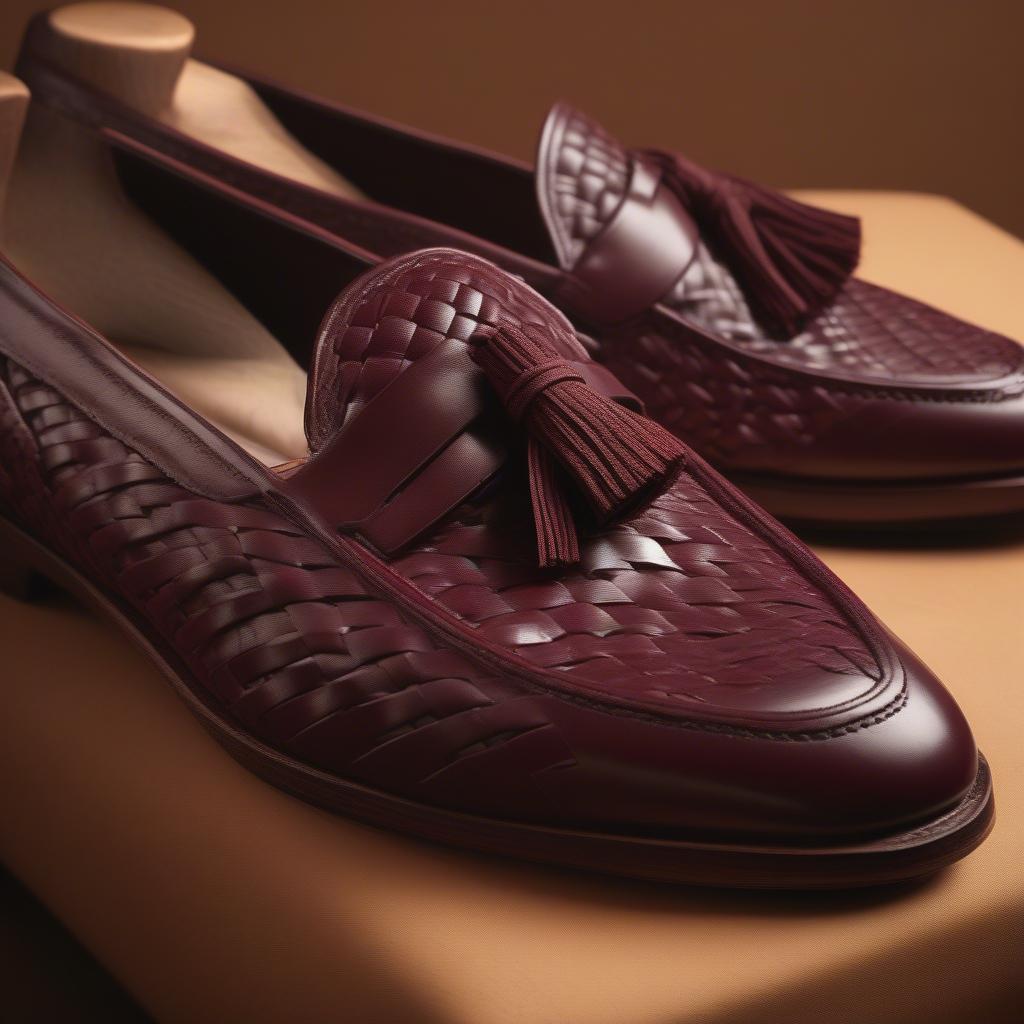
<point x="498" y="605"/>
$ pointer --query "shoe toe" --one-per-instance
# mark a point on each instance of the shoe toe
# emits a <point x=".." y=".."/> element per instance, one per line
<point x="902" y="766"/>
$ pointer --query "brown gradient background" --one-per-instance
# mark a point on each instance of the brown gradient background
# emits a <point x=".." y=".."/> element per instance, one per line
<point x="926" y="95"/>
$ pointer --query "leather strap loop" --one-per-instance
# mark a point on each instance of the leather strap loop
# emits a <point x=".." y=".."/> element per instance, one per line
<point x="364" y="473"/>
<point x="421" y="447"/>
<point x="643" y="250"/>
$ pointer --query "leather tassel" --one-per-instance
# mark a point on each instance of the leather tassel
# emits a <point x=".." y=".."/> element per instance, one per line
<point x="616" y="459"/>
<point x="557" y="542"/>
<point x="789" y="258"/>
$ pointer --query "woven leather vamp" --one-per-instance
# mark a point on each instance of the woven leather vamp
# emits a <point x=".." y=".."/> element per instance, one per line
<point x="685" y="603"/>
<point x="295" y="647"/>
<point x="682" y="604"/>
<point x="666" y="606"/>
<point x="671" y="604"/>
<point x="729" y="406"/>
<point x="278" y="633"/>
<point x="390" y="328"/>
<point x="867" y="331"/>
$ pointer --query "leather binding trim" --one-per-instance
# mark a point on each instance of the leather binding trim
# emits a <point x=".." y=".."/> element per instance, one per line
<point x="133" y="407"/>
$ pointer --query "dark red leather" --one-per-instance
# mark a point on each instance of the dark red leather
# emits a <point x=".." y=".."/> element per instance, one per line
<point x="628" y="226"/>
<point x="698" y="670"/>
<point x="645" y="246"/>
<point x="397" y="490"/>
<point x="875" y="387"/>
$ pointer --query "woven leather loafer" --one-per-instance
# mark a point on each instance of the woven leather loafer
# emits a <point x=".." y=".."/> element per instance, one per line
<point x="727" y="308"/>
<point x="495" y="606"/>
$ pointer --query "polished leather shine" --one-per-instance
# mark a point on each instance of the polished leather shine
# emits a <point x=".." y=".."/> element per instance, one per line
<point x="699" y="672"/>
<point x="693" y="697"/>
<point x="646" y="245"/>
<point x="874" y="390"/>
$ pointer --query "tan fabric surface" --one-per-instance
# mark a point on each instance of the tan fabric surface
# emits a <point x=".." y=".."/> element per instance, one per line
<point x="215" y="898"/>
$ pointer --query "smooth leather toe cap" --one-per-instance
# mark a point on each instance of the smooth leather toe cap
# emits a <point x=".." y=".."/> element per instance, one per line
<point x="899" y="768"/>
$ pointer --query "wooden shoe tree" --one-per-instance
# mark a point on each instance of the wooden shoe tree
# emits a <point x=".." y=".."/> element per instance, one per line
<point x="140" y="54"/>
<point x="69" y="226"/>
<point x="14" y="97"/>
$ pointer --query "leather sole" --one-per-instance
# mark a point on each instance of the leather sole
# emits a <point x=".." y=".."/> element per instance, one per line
<point x="897" y="857"/>
<point x="884" y="503"/>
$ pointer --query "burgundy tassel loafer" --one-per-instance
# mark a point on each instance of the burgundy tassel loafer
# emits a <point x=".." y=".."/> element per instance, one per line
<point x="495" y="606"/>
<point x="727" y="308"/>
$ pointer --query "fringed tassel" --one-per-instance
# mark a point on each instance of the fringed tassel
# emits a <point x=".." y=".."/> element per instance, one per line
<point x="557" y="542"/>
<point x="790" y="258"/>
<point x="617" y="460"/>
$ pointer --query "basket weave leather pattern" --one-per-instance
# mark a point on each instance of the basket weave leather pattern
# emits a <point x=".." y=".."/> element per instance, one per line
<point x="589" y="181"/>
<point x="296" y="648"/>
<point x="665" y="604"/>
<point x="659" y="611"/>
<point x="394" y="326"/>
<point x="731" y="406"/>
<point x="281" y="635"/>
<point x="868" y="331"/>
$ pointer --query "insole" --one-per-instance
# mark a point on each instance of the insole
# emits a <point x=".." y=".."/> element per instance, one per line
<point x="259" y="403"/>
